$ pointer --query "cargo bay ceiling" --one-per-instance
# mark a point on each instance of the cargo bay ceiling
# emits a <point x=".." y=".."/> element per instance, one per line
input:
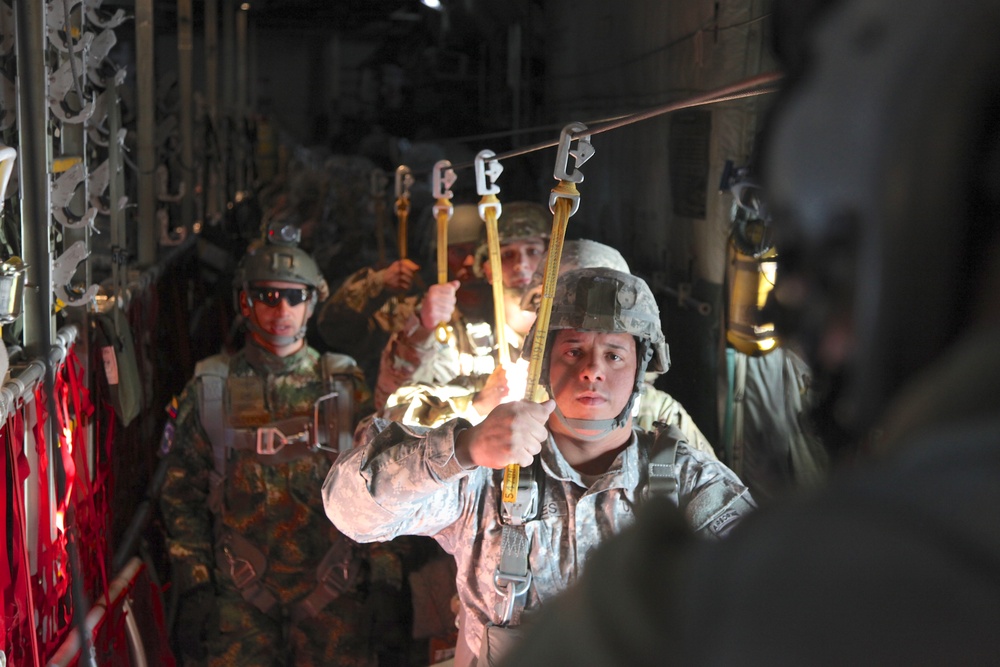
<point x="328" y="70"/>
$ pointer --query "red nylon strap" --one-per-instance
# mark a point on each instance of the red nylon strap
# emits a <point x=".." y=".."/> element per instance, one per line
<point x="51" y="583"/>
<point x="21" y="640"/>
<point x="90" y="512"/>
<point x="6" y="562"/>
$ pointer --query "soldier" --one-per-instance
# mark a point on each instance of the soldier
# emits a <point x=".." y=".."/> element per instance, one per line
<point x="414" y="355"/>
<point x="365" y="309"/>
<point x="591" y="471"/>
<point x="653" y="405"/>
<point x="262" y="576"/>
<point x="426" y="405"/>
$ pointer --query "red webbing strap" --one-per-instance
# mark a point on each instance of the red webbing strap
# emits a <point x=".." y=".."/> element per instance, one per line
<point x="51" y="585"/>
<point x="90" y="526"/>
<point x="6" y="562"/>
<point x="20" y="638"/>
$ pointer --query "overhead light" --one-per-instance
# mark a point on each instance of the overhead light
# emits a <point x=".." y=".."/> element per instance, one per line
<point x="245" y="6"/>
<point x="433" y="4"/>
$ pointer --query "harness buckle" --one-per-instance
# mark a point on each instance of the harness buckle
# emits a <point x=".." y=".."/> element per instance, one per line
<point x="511" y="587"/>
<point x="525" y="505"/>
<point x="240" y="569"/>
<point x="271" y="439"/>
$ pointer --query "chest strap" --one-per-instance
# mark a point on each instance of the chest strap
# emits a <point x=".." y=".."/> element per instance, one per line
<point x="662" y="468"/>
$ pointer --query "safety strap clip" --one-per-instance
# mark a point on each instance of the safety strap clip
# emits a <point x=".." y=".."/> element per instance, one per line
<point x="487" y="175"/>
<point x="581" y="152"/>
<point x="404" y="181"/>
<point x="511" y="587"/>
<point x="442" y="178"/>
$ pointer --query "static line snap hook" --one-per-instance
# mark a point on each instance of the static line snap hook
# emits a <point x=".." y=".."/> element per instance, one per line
<point x="442" y="179"/>
<point x="487" y="175"/>
<point x="404" y="181"/>
<point x="581" y="152"/>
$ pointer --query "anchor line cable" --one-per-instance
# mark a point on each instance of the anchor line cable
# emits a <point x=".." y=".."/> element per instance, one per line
<point x="762" y="84"/>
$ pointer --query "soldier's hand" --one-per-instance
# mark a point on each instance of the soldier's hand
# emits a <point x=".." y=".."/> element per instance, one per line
<point x="512" y="433"/>
<point x="439" y="304"/>
<point x="493" y="393"/>
<point x="398" y="276"/>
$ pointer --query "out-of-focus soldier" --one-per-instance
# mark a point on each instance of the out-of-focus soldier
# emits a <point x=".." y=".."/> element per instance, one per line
<point x="591" y="471"/>
<point x="415" y="355"/>
<point x="262" y="577"/>
<point x="370" y="304"/>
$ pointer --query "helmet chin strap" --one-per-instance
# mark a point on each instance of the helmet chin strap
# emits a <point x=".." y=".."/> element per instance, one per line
<point x="602" y="427"/>
<point x="275" y="339"/>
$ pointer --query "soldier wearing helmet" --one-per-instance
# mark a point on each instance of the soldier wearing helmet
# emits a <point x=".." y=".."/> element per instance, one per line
<point x="584" y="465"/>
<point x="251" y="438"/>
<point x="277" y="286"/>
<point x="426" y="405"/>
<point x="414" y="356"/>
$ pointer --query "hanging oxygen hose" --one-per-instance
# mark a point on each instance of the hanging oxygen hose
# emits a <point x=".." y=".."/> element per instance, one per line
<point x="404" y="181"/>
<point x="441" y="181"/>
<point x="490" y="211"/>
<point x="564" y="201"/>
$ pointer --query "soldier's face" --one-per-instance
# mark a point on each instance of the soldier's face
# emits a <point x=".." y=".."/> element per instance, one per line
<point x="519" y="260"/>
<point x="592" y="374"/>
<point x="280" y="319"/>
<point x="460" y="261"/>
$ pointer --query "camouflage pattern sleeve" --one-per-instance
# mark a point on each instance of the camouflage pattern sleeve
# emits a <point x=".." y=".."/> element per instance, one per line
<point x="659" y="406"/>
<point x="410" y="357"/>
<point x="344" y="318"/>
<point x="432" y="406"/>
<point x="400" y="481"/>
<point x="711" y="496"/>
<point x="184" y="499"/>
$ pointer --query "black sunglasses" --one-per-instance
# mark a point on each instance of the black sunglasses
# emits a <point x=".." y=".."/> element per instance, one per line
<point x="272" y="296"/>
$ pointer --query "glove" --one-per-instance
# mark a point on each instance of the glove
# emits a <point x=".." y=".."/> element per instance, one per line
<point x="197" y="620"/>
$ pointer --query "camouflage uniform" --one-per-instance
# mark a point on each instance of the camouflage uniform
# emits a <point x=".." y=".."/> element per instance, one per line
<point x="408" y="480"/>
<point x="468" y="354"/>
<point x="245" y="531"/>
<point x="657" y="406"/>
<point x="359" y="318"/>
<point x="276" y="508"/>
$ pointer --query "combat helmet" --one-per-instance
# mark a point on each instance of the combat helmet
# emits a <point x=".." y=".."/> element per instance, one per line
<point x="606" y="301"/>
<point x="578" y="254"/>
<point x="465" y="225"/>
<point x="519" y="220"/>
<point x="279" y="258"/>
